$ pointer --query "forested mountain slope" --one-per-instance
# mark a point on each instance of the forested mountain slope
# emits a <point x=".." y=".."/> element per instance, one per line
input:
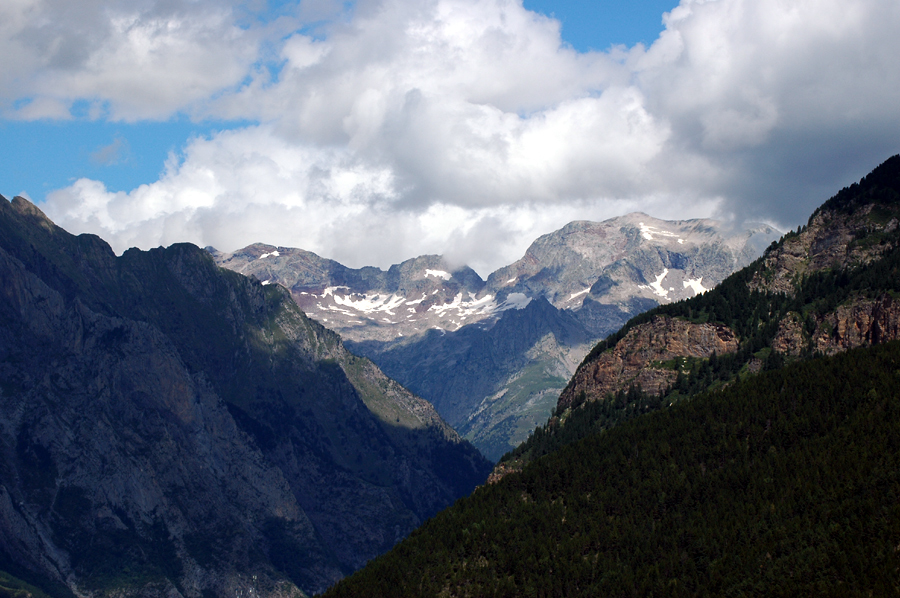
<point x="773" y="468"/>
<point x="786" y="483"/>
<point x="170" y="428"/>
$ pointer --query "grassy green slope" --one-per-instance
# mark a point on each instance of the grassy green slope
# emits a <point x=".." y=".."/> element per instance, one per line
<point x="787" y="483"/>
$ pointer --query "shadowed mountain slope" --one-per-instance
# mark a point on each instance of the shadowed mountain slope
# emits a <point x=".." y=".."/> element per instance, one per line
<point x="172" y="428"/>
<point x="783" y="484"/>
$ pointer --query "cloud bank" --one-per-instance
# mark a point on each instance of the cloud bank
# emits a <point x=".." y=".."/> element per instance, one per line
<point x="465" y="127"/>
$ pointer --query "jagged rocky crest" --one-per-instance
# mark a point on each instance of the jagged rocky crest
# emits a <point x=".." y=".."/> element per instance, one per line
<point x="170" y="428"/>
<point x="493" y="356"/>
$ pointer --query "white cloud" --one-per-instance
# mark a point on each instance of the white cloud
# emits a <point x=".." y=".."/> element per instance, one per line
<point x="128" y="60"/>
<point x="466" y="126"/>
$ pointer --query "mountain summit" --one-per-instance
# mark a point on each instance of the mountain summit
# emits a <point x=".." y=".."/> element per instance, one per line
<point x="492" y="356"/>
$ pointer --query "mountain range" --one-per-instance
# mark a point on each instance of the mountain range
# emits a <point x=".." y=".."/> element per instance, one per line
<point x="739" y="442"/>
<point x="493" y="355"/>
<point x="171" y="428"/>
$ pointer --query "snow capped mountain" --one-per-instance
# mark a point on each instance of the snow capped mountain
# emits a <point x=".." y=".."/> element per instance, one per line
<point x="369" y="303"/>
<point x="633" y="256"/>
<point x="611" y="262"/>
<point x="421" y="315"/>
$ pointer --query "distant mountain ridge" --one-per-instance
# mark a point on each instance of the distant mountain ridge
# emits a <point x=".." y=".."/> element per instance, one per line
<point x="171" y="428"/>
<point x="425" y="321"/>
<point x="615" y="262"/>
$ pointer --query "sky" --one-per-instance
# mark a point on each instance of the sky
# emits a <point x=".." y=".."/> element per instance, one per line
<point x="373" y="131"/>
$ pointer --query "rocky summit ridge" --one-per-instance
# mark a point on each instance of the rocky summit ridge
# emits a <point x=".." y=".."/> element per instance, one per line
<point x="171" y="428"/>
<point x="614" y="263"/>
<point x="493" y="355"/>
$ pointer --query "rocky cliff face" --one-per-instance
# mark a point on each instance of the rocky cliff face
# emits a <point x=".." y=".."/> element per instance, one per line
<point x="168" y="428"/>
<point x="833" y="239"/>
<point x="424" y="321"/>
<point x="859" y="322"/>
<point x="647" y="357"/>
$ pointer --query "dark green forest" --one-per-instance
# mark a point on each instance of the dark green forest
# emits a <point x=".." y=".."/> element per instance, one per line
<point x="785" y="483"/>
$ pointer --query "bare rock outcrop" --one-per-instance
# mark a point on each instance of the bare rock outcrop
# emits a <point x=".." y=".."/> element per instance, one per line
<point x="641" y="357"/>
<point x="830" y="240"/>
<point x="858" y="323"/>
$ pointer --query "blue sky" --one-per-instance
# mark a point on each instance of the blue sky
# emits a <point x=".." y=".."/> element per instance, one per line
<point x="598" y="25"/>
<point x="376" y="130"/>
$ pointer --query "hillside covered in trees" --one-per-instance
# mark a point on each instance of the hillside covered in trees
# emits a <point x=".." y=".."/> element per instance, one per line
<point x="787" y="483"/>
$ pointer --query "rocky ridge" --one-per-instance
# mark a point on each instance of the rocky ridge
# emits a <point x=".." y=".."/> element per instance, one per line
<point x="424" y="321"/>
<point x="633" y="259"/>
<point x="170" y="428"/>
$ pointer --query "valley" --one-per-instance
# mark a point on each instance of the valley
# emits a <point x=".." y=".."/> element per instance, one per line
<point x="174" y="428"/>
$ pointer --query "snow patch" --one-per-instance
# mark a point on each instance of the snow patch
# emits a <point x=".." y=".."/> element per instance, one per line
<point x="579" y="293"/>
<point x="485" y="305"/>
<point x="515" y="301"/>
<point x="371" y="303"/>
<point x="437" y="274"/>
<point x="273" y="254"/>
<point x="512" y="280"/>
<point x="657" y="286"/>
<point x="695" y="284"/>
<point x="648" y="231"/>
<point x="265" y="282"/>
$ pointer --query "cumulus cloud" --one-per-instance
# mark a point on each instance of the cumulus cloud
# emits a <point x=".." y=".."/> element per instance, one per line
<point x="466" y="126"/>
<point x="128" y="60"/>
<point x="249" y="185"/>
